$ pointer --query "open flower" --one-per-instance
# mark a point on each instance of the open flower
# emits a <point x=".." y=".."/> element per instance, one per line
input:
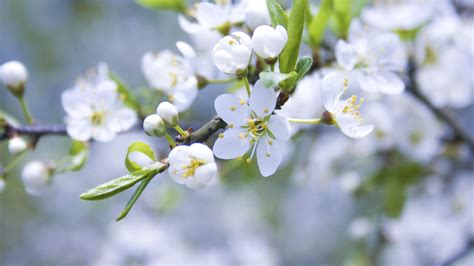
<point x="173" y="74"/>
<point x="374" y="57"/>
<point x="94" y="109"/>
<point x="232" y="53"/>
<point x="252" y="126"/>
<point x="218" y="16"/>
<point x="344" y="112"/>
<point x="268" y="42"/>
<point x="192" y="165"/>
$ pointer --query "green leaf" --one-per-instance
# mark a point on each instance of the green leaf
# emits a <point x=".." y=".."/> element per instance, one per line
<point x="295" y="31"/>
<point x="342" y="12"/>
<point x="394" y="197"/>
<point x="134" y="197"/>
<point x="277" y="14"/>
<point x="79" y="153"/>
<point x="303" y="66"/>
<point x="118" y="185"/>
<point x="271" y="79"/>
<point x="176" y="5"/>
<point x="138" y="147"/>
<point x="289" y="83"/>
<point x="319" y="22"/>
<point x="125" y="94"/>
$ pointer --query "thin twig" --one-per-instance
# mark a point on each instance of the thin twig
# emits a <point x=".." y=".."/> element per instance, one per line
<point x="203" y="133"/>
<point x="459" y="133"/>
<point x="34" y="131"/>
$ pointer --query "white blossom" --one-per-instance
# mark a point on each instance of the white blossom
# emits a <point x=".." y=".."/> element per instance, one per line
<point x="268" y="42"/>
<point x="36" y="177"/>
<point x="374" y="57"/>
<point x="154" y="125"/>
<point x="345" y="112"/>
<point x="252" y="126"/>
<point x="173" y="74"/>
<point x="192" y="165"/>
<point x="169" y="113"/>
<point x="256" y="13"/>
<point x="95" y="110"/>
<point x="13" y="75"/>
<point x="231" y="54"/>
<point x="16" y="145"/>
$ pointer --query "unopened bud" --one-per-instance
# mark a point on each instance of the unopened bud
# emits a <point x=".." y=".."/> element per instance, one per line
<point x="36" y="177"/>
<point x="16" y="145"/>
<point x="154" y="125"/>
<point x="168" y="113"/>
<point x="13" y="75"/>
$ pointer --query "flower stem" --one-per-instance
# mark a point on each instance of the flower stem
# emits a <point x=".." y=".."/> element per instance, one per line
<point x="14" y="163"/>
<point x="170" y="140"/>
<point x="247" y="85"/>
<point x="272" y="67"/>
<point x="306" y="121"/>
<point x="181" y="131"/>
<point x="26" y="112"/>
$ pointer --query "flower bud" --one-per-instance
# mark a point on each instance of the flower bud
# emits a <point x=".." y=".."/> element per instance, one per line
<point x="16" y="145"/>
<point x="168" y="113"/>
<point x="154" y="125"/>
<point x="13" y="75"/>
<point x="36" y="177"/>
<point x="268" y="42"/>
<point x="232" y="53"/>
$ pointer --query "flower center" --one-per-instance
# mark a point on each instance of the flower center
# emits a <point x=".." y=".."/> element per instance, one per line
<point x="256" y="128"/>
<point x="351" y="107"/>
<point x="98" y="118"/>
<point x="190" y="169"/>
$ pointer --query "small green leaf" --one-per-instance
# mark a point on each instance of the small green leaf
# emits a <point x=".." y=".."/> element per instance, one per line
<point x="303" y="66"/>
<point x="138" y="147"/>
<point x="289" y="83"/>
<point x="134" y="197"/>
<point x="343" y="14"/>
<point x="125" y="94"/>
<point x="176" y="5"/>
<point x="295" y="31"/>
<point x="118" y="185"/>
<point x="277" y="14"/>
<point x="394" y="197"/>
<point x="79" y="153"/>
<point x="319" y="22"/>
<point x="271" y="79"/>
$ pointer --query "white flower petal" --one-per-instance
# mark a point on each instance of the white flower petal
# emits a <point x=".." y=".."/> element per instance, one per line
<point x="332" y="88"/>
<point x="103" y="133"/>
<point x="382" y="81"/>
<point x="233" y="144"/>
<point x="79" y="129"/>
<point x="232" y="109"/>
<point x="122" y="119"/>
<point x="209" y="15"/>
<point x="183" y="96"/>
<point x="205" y="173"/>
<point x="280" y="127"/>
<point x="189" y="27"/>
<point x="241" y="56"/>
<point x="201" y="151"/>
<point x="268" y="156"/>
<point x="345" y="55"/>
<point x="186" y="50"/>
<point x="175" y="172"/>
<point x="262" y="100"/>
<point x="140" y="158"/>
<point x="179" y="155"/>
<point x="192" y="183"/>
<point x="352" y="128"/>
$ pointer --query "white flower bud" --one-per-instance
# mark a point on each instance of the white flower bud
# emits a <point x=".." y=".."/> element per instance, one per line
<point x="256" y="14"/>
<point x="154" y="125"/>
<point x="269" y="42"/>
<point x="36" y="177"/>
<point x="168" y="113"/>
<point x="16" y="145"/>
<point x="13" y="75"/>
<point x="231" y="54"/>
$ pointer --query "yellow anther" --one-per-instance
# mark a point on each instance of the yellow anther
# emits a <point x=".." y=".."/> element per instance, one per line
<point x="270" y="142"/>
<point x="248" y="160"/>
<point x="239" y="158"/>
<point x="191" y="167"/>
<point x="174" y="79"/>
<point x="231" y="125"/>
<point x="242" y="102"/>
<point x="231" y="42"/>
<point x="171" y="97"/>
<point x="221" y="135"/>
<point x="265" y="110"/>
<point x="241" y="135"/>
<point x="251" y="123"/>
<point x="232" y="108"/>
<point x="267" y="154"/>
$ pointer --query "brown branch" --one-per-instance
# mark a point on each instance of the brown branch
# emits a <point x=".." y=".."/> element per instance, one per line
<point x="35" y="131"/>
<point x="203" y="133"/>
<point x="459" y="133"/>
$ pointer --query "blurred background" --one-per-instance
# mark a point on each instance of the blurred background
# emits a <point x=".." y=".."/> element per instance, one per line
<point x="298" y="217"/>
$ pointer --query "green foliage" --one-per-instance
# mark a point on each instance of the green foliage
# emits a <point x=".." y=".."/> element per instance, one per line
<point x="296" y="21"/>
<point x="303" y="66"/>
<point x="138" y="147"/>
<point x="79" y="153"/>
<point x="343" y="15"/>
<point x="118" y="185"/>
<point x="319" y="23"/>
<point x="175" y="5"/>
<point x="277" y="14"/>
<point x="134" y="198"/>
